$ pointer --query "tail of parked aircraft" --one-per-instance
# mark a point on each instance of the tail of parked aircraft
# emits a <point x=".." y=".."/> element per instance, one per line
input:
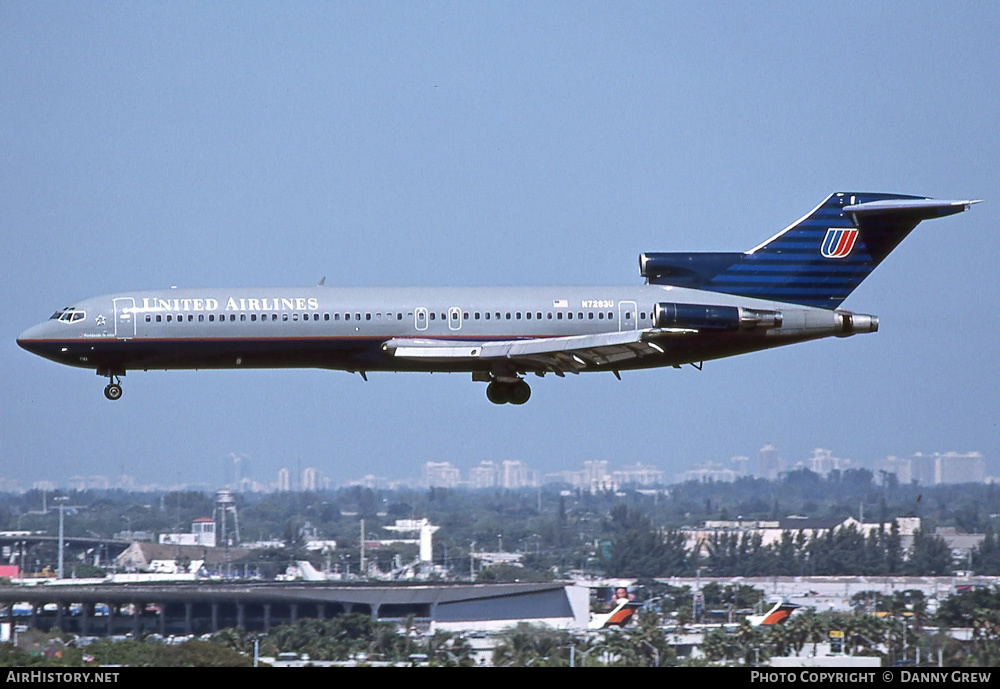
<point x="618" y="617"/>
<point x="817" y="261"/>
<point x="778" y="614"/>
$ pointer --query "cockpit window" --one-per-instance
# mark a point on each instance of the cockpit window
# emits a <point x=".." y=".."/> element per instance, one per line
<point x="70" y="315"/>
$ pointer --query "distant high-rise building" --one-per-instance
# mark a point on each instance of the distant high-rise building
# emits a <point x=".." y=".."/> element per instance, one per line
<point x="515" y="474"/>
<point x="637" y="474"/>
<point x="823" y="462"/>
<point x="441" y="475"/>
<point x="740" y="464"/>
<point x="923" y="468"/>
<point x="932" y="469"/>
<point x="284" y="480"/>
<point x="769" y="464"/>
<point x="597" y="476"/>
<point x="955" y="467"/>
<point x="709" y="472"/>
<point x="484" y="475"/>
<point x="237" y="470"/>
<point x="897" y="466"/>
<point x="309" y="482"/>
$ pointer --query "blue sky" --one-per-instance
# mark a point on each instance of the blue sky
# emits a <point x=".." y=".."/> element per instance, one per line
<point x="235" y="144"/>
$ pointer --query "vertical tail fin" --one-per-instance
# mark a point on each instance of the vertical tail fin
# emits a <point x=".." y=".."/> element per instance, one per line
<point x="817" y="261"/>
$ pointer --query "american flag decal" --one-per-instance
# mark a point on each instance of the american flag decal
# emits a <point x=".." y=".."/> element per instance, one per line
<point x="838" y="242"/>
<point x="560" y="304"/>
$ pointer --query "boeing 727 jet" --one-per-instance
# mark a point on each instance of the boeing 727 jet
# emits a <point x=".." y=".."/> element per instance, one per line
<point x="694" y="307"/>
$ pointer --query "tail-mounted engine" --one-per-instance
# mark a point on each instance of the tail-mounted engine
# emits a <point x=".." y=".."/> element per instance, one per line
<point x="710" y="317"/>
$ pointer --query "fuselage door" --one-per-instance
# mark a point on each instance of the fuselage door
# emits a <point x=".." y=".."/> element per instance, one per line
<point x="420" y="318"/>
<point x="454" y="318"/>
<point x="626" y="315"/>
<point x="124" y="318"/>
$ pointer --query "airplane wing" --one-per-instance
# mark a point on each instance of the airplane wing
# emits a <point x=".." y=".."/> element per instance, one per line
<point x="559" y="355"/>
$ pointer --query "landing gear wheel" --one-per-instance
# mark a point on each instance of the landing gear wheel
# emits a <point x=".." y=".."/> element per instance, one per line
<point x="518" y="393"/>
<point x="113" y="391"/>
<point x="497" y="393"/>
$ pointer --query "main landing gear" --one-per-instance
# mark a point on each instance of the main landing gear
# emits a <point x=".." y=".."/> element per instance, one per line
<point x="508" y="392"/>
<point x="113" y="391"/>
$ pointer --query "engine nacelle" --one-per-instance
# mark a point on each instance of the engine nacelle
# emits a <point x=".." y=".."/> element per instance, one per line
<point x="854" y="323"/>
<point x="712" y="317"/>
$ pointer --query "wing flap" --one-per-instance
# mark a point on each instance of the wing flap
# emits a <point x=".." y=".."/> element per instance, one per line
<point x="560" y="355"/>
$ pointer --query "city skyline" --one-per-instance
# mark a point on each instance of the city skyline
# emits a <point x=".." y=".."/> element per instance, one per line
<point x="925" y="468"/>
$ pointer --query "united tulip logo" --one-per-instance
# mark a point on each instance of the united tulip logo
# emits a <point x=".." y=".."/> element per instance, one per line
<point x="838" y="242"/>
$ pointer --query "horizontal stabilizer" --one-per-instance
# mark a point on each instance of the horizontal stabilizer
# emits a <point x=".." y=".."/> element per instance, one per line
<point x="923" y="209"/>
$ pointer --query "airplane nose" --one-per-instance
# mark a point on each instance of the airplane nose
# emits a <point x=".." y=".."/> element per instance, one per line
<point x="32" y="339"/>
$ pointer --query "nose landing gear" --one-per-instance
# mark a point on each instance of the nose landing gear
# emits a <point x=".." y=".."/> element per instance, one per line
<point x="113" y="390"/>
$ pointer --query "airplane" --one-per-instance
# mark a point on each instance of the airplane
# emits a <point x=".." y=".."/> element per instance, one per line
<point x="693" y="307"/>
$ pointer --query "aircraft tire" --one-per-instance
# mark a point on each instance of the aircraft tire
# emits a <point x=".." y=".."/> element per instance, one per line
<point x="113" y="392"/>
<point x="497" y="393"/>
<point x="519" y="392"/>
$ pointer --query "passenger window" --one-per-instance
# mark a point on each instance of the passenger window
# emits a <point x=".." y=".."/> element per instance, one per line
<point x="600" y="315"/>
<point x="201" y="318"/>
<point x="243" y="317"/>
<point x="399" y="316"/>
<point x="159" y="318"/>
<point x="433" y="316"/>
<point x="590" y="315"/>
<point x="368" y="316"/>
<point x="508" y="315"/>
<point x="569" y="315"/>
<point x="253" y="318"/>
<point x="326" y="316"/>
<point x="170" y="319"/>
<point x="528" y="315"/>
<point x="284" y="316"/>
<point x="357" y="316"/>
<point x="148" y="319"/>
<point x="518" y="315"/>
<point x="559" y="316"/>
<point x="347" y="316"/>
